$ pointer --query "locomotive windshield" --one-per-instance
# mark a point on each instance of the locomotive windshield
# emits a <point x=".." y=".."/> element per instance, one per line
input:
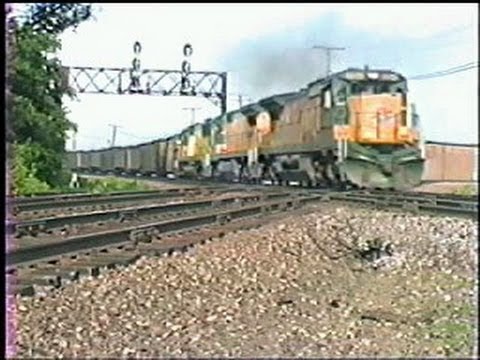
<point x="356" y="82"/>
<point x="377" y="87"/>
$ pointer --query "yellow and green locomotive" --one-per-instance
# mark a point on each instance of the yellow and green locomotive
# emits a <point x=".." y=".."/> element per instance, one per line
<point x="356" y="126"/>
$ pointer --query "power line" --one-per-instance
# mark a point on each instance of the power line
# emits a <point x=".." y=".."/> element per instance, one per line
<point x="450" y="71"/>
<point x="442" y="71"/>
<point x="90" y="137"/>
<point x="133" y="136"/>
<point x="114" y="133"/>
<point x="328" y="50"/>
<point x="446" y="74"/>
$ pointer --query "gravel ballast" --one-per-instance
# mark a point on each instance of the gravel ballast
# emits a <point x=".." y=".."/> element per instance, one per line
<point x="301" y="286"/>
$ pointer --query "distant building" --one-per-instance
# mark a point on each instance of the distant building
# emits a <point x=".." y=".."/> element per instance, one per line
<point x="451" y="162"/>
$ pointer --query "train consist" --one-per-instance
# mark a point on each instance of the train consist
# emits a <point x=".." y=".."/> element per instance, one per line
<point x="356" y="126"/>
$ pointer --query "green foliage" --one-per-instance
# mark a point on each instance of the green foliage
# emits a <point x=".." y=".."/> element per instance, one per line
<point x="112" y="185"/>
<point x="53" y="18"/>
<point x="468" y="190"/>
<point x="24" y="172"/>
<point x="449" y="325"/>
<point x="455" y="337"/>
<point x="36" y="86"/>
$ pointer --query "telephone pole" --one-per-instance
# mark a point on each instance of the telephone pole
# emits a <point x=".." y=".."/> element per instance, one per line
<point x="192" y="109"/>
<point x="241" y="98"/>
<point x="328" y="50"/>
<point x="114" y="133"/>
<point x="74" y="141"/>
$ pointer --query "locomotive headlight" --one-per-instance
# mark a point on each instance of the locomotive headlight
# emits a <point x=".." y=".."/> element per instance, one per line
<point x="364" y="158"/>
<point x="407" y="159"/>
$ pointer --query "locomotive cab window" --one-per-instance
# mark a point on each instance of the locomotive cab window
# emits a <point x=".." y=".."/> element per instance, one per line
<point x="382" y="89"/>
<point x="354" y="89"/>
<point x="358" y="89"/>
<point x="341" y="96"/>
<point x="327" y="98"/>
<point x="369" y="88"/>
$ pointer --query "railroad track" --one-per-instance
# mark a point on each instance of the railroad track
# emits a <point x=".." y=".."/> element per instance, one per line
<point x="434" y="203"/>
<point x="47" y="224"/>
<point x="414" y="202"/>
<point x="216" y="182"/>
<point x="34" y="207"/>
<point x="58" y="258"/>
<point x="50" y="262"/>
<point x="75" y="200"/>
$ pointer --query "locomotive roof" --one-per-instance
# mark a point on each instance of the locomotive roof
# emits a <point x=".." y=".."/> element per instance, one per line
<point x="361" y="74"/>
<point x="251" y="109"/>
<point x="279" y="100"/>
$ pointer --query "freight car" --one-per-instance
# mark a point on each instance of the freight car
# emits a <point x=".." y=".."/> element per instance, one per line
<point x="356" y="126"/>
<point x="148" y="158"/>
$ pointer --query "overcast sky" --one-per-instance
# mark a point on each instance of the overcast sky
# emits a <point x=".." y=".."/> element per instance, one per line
<point x="266" y="49"/>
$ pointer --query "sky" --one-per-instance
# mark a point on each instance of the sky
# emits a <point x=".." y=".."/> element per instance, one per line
<point x="267" y="49"/>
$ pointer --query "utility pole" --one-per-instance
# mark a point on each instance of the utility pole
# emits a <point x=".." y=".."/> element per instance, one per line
<point x="74" y="141"/>
<point x="192" y="109"/>
<point x="240" y="98"/>
<point x="114" y="133"/>
<point x="328" y="50"/>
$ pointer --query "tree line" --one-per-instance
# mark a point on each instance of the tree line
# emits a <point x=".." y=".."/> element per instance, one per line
<point x="37" y="120"/>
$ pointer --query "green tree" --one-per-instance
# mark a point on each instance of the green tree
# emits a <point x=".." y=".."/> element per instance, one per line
<point x="37" y="84"/>
<point x="52" y="18"/>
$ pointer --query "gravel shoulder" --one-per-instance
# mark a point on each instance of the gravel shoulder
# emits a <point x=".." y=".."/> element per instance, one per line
<point x="293" y="287"/>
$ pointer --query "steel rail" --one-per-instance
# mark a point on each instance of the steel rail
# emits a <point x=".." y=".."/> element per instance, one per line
<point x="426" y="194"/>
<point x="56" y="247"/>
<point x="443" y="203"/>
<point x="63" y="197"/>
<point x="47" y="223"/>
<point x="104" y="199"/>
<point x="412" y="203"/>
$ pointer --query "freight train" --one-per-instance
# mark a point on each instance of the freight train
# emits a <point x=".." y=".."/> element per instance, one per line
<point x="353" y="127"/>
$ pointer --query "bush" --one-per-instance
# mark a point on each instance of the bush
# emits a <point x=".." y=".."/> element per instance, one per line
<point x="467" y="190"/>
<point x="24" y="174"/>
<point x="100" y="186"/>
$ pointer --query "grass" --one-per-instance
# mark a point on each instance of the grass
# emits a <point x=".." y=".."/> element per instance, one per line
<point x="467" y="190"/>
<point x="454" y="333"/>
<point x="96" y="186"/>
<point x="112" y="184"/>
<point x="449" y="326"/>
